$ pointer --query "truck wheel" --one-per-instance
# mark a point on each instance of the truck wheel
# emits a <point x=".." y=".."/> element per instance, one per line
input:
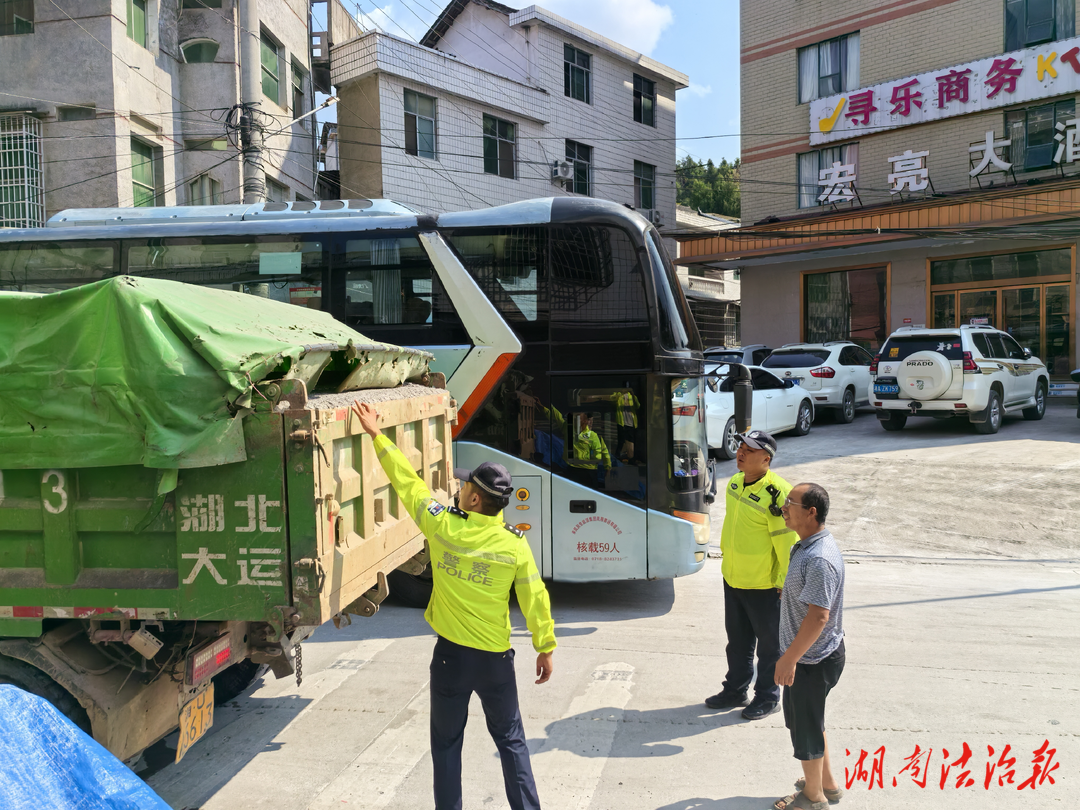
<point x="410" y="590"/>
<point x="231" y="682"/>
<point x="33" y="680"/>
<point x="895" y="421"/>
<point x="1037" y="410"/>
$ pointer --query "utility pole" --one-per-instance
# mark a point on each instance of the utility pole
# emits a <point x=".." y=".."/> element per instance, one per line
<point x="251" y="133"/>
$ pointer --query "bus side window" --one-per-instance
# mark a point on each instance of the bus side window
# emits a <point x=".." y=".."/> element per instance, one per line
<point x="387" y="282"/>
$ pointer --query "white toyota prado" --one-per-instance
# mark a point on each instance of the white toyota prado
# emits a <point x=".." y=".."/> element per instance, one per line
<point x="977" y="372"/>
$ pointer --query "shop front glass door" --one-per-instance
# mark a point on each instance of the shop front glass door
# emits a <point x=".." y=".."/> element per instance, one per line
<point x="1058" y="320"/>
<point x="978" y="304"/>
<point x="1021" y="316"/>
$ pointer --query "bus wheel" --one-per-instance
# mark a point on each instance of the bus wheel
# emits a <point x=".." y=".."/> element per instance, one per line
<point x="410" y="590"/>
<point x="33" y="680"/>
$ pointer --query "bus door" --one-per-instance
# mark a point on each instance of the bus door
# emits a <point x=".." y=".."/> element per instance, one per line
<point x="599" y="483"/>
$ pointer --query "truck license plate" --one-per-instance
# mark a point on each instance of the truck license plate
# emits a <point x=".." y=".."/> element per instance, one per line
<point x="886" y="388"/>
<point x="196" y="718"/>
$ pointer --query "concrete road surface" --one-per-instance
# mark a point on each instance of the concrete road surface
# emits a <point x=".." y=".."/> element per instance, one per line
<point x="963" y="627"/>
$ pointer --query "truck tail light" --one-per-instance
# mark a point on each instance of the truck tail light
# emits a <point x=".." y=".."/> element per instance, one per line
<point x="684" y="410"/>
<point x="209" y="660"/>
<point x="823" y="371"/>
<point x="873" y="365"/>
<point x="970" y="366"/>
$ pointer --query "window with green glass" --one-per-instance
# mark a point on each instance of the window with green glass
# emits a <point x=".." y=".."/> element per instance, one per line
<point x="143" y="186"/>
<point x="136" y="21"/>
<point x="271" y="82"/>
<point x="1002" y="267"/>
<point x="644" y="185"/>
<point x="299" y="97"/>
<point x="276" y="192"/>
<point x="203" y="50"/>
<point x="500" y="147"/>
<point x="16" y="17"/>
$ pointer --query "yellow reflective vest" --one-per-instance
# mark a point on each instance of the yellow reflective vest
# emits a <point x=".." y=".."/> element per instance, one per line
<point x="755" y="544"/>
<point x="475" y="560"/>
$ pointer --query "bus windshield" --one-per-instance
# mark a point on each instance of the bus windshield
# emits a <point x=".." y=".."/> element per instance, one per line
<point x="688" y="441"/>
<point x="677" y="327"/>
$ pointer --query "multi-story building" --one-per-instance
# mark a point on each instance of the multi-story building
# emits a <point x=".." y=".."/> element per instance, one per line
<point x="907" y="163"/>
<point x="713" y="294"/>
<point x="496" y="105"/>
<point x="125" y="102"/>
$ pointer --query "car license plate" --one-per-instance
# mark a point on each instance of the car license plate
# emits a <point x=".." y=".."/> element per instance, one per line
<point x="195" y="720"/>
<point x="886" y="388"/>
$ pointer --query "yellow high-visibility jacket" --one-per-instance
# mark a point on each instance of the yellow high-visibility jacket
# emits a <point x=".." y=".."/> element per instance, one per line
<point x="756" y="545"/>
<point x="475" y="560"/>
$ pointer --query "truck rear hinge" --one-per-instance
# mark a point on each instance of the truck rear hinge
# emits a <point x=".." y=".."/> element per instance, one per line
<point x="367" y="605"/>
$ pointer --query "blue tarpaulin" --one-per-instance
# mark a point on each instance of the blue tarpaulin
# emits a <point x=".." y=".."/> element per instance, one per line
<point x="46" y="761"/>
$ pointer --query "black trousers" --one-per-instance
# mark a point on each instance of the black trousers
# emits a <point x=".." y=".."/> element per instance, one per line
<point x="804" y="703"/>
<point x="752" y="619"/>
<point x="457" y="672"/>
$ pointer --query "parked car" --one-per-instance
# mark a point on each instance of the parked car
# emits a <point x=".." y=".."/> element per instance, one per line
<point x="751" y="355"/>
<point x="837" y="373"/>
<point x="778" y="406"/>
<point x="974" y="372"/>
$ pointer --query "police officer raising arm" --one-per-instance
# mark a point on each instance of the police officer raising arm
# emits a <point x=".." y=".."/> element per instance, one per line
<point x="476" y="558"/>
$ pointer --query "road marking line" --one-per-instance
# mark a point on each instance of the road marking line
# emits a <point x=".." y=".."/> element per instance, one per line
<point x="569" y="764"/>
<point x="372" y="779"/>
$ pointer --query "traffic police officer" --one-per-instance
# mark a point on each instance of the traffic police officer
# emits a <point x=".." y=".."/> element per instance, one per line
<point x="475" y="559"/>
<point x="755" y="544"/>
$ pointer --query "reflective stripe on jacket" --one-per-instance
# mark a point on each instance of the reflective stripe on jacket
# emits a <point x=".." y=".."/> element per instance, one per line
<point x="475" y="560"/>
<point x="755" y="544"/>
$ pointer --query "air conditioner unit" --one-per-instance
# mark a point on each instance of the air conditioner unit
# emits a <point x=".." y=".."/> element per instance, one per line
<point x="655" y="217"/>
<point x="562" y="170"/>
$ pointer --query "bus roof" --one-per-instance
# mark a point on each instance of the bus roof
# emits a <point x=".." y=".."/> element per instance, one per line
<point x="324" y="216"/>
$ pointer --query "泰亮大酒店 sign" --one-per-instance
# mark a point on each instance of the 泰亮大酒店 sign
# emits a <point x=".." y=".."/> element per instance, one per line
<point x="1044" y="71"/>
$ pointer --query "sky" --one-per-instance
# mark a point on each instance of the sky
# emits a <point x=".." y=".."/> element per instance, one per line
<point x="697" y="37"/>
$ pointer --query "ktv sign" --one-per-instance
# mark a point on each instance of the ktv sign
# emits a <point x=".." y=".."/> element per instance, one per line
<point x="1035" y="73"/>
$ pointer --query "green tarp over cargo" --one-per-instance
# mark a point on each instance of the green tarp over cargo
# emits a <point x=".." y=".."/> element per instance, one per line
<point x="134" y="371"/>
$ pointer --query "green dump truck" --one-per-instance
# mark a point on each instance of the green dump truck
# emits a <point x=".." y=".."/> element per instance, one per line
<point x="185" y="494"/>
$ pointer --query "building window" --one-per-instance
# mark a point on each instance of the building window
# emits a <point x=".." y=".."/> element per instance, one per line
<point x="846" y="305"/>
<point x="81" y="112"/>
<point x="200" y="4"/>
<point x="21" y="182"/>
<point x="420" y="125"/>
<point x="577" y="74"/>
<point x="271" y="69"/>
<point x="199" y="51"/>
<point x="580" y="157"/>
<point x="276" y="192"/>
<point x="205" y="190"/>
<point x="206" y="145"/>
<point x="16" y="17"/>
<point x="1032" y="133"/>
<point x="829" y="67"/>
<point x="136" y="21"/>
<point x="299" y="97"/>
<point x="1032" y="22"/>
<point x="810" y="165"/>
<point x="644" y="101"/>
<point x="644" y="185"/>
<point x="500" y="147"/>
<point x="143" y="174"/>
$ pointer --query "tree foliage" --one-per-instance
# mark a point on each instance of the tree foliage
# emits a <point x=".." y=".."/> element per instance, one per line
<point x="712" y="189"/>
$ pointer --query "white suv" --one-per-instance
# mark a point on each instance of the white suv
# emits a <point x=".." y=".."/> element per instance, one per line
<point x="836" y="374"/>
<point x="976" y="372"/>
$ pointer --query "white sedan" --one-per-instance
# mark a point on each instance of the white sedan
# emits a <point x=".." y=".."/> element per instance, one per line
<point x="779" y="406"/>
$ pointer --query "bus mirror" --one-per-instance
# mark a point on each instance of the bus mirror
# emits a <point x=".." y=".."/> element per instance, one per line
<point x="711" y="382"/>
<point x="744" y="397"/>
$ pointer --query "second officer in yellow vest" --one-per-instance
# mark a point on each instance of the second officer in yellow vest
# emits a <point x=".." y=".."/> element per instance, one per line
<point x="755" y="544"/>
<point x="475" y="559"/>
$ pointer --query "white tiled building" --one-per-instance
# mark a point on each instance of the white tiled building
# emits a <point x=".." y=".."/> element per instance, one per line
<point x="493" y="101"/>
